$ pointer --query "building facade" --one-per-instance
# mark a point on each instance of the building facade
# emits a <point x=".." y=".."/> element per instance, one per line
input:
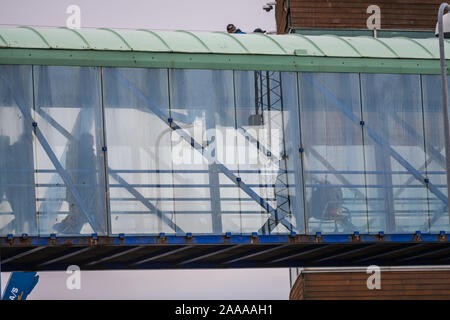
<point x="358" y="17"/>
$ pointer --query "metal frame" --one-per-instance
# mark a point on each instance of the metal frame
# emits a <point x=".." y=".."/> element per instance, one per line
<point x="255" y="254"/>
<point x="391" y="252"/>
<point x="23" y="254"/>
<point x="237" y="251"/>
<point x="115" y="255"/>
<point x="209" y="254"/>
<point x="133" y="240"/>
<point x="65" y="256"/>
<point x="428" y="253"/>
<point x="160" y="255"/>
<point x="302" y="253"/>
<point x="345" y="253"/>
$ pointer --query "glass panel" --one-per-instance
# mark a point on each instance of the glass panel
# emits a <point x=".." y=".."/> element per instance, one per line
<point x="68" y="112"/>
<point x="333" y="153"/>
<point x="394" y="151"/>
<point x="202" y="106"/>
<point x="17" y="196"/>
<point x="256" y="169"/>
<point x="262" y="115"/>
<point x="139" y="150"/>
<point x="292" y="143"/>
<point x="435" y="151"/>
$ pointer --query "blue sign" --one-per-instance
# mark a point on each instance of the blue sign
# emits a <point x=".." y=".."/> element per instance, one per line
<point x="20" y="285"/>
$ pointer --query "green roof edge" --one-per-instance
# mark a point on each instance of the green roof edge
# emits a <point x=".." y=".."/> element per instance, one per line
<point x="99" y="58"/>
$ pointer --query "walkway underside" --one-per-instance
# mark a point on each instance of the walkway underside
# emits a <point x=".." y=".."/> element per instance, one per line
<point x="227" y="251"/>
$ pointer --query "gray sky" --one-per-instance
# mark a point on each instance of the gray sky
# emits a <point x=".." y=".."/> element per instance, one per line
<point x="194" y="15"/>
<point x="166" y="284"/>
<point x="208" y="15"/>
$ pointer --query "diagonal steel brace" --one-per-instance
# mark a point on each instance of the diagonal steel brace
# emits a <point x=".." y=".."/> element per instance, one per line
<point x="190" y="140"/>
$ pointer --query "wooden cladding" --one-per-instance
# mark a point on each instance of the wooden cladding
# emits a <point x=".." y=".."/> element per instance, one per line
<point x="281" y="16"/>
<point x="411" y="15"/>
<point x="395" y="285"/>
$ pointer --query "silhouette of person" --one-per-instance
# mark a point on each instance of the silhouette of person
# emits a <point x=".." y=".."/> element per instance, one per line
<point x="81" y="168"/>
<point x="327" y="204"/>
<point x="20" y="189"/>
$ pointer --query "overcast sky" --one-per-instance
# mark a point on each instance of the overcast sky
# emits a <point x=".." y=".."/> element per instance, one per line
<point x="208" y="15"/>
<point x="165" y="284"/>
<point x="193" y="15"/>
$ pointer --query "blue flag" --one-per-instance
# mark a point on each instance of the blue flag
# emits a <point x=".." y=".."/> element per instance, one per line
<point x="20" y="285"/>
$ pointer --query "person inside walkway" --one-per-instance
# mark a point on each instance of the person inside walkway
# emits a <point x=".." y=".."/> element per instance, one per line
<point x="231" y="28"/>
<point x="81" y="166"/>
<point x="327" y="204"/>
<point x="17" y="183"/>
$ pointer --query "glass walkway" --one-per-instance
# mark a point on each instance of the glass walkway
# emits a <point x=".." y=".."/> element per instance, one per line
<point x="111" y="166"/>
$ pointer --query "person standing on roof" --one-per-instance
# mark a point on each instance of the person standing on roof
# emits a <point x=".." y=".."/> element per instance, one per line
<point x="231" y="28"/>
